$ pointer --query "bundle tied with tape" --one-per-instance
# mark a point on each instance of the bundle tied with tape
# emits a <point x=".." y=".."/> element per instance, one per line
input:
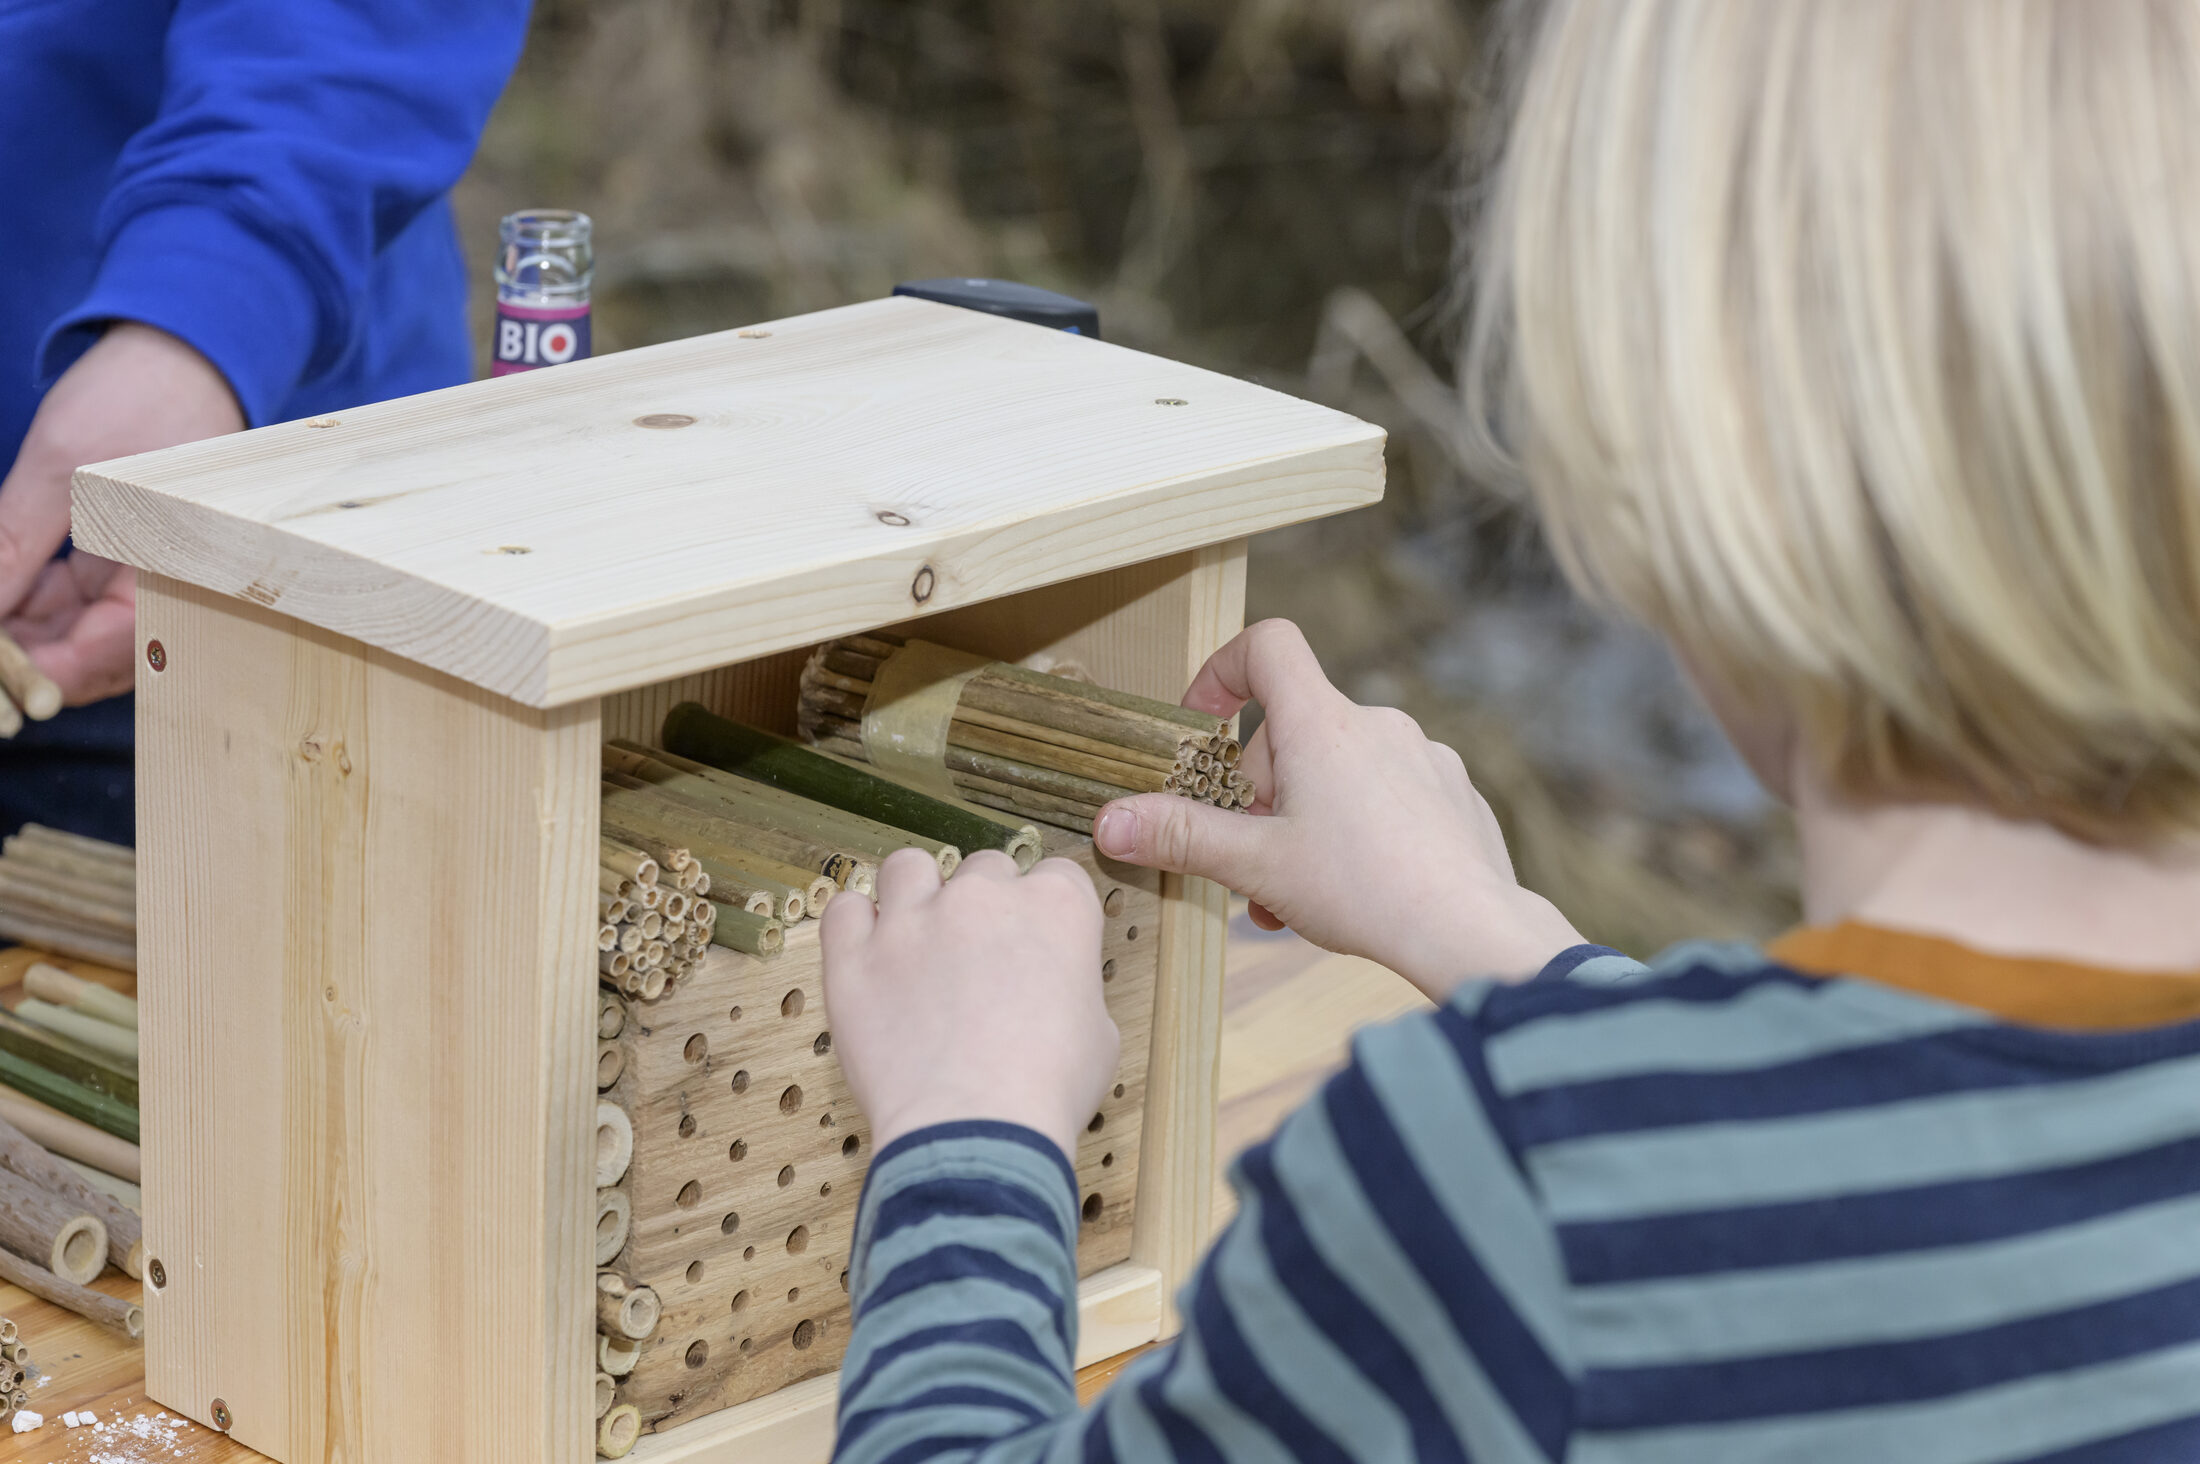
<point x="1009" y="739"/>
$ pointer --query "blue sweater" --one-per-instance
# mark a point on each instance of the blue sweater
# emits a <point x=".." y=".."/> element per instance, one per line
<point x="1709" y="1211"/>
<point x="264" y="179"/>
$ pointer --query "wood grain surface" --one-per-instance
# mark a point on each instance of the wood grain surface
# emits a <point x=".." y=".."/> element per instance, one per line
<point x="1288" y="1011"/>
<point x="556" y="535"/>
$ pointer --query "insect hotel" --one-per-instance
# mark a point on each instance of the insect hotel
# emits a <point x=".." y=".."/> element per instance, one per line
<point x="494" y="746"/>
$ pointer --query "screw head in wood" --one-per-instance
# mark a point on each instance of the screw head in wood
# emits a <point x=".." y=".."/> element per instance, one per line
<point x="920" y="588"/>
<point x="664" y="421"/>
<point x="156" y="655"/>
<point x="220" y="1414"/>
<point x="156" y="1273"/>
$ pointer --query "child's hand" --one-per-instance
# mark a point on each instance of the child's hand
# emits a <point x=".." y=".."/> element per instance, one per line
<point x="1374" y="842"/>
<point x="977" y="998"/>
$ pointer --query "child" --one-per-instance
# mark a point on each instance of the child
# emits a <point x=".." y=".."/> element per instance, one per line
<point x="1855" y="345"/>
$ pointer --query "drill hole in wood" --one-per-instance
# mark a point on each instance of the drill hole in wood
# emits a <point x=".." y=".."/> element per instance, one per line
<point x="741" y="1081"/>
<point x="805" y="1334"/>
<point x="823" y="1044"/>
<point x="687" y="1125"/>
<point x="737" y="1151"/>
<point x="748" y="1253"/>
<point x="734" y="1015"/>
<point x="825" y="1189"/>
<point x="791" y="1100"/>
<point x="798" y="1240"/>
<point x="1118" y="1090"/>
<point x="698" y="1353"/>
<point x="1107" y="970"/>
<point x="1092" y="1208"/>
<point x="791" y="1004"/>
<point x="695" y="1273"/>
<point x="1131" y="933"/>
<point x="732" y="1222"/>
<point x="741" y="1299"/>
<point x="849" y="1145"/>
<point x="794" y="1294"/>
<point x="691" y="1194"/>
<point x="748" y="1345"/>
<point x="786" y="1176"/>
<point x="1112" y="904"/>
<point x="1107" y="1161"/>
<point x="698" y="1048"/>
<point x="1099" y="1121"/>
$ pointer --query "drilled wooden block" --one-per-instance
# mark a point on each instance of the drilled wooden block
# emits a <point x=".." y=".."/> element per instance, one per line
<point x="749" y="1158"/>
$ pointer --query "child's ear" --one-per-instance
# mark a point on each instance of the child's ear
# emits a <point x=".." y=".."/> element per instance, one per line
<point x="1764" y="733"/>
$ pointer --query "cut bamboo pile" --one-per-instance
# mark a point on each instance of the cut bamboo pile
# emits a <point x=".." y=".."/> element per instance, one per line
<point x="15" y="1363"/>
<point x="656" y="919"/>
<point x="1042" y="747"/>
<point x="67" y="893"/>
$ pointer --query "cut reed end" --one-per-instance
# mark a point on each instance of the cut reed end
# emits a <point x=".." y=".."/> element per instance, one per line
<point x="617" y="1434"/>
<point x="133" y="1262"/>
<point x="79" y="1250"/>
<point x="607" y="1388"/>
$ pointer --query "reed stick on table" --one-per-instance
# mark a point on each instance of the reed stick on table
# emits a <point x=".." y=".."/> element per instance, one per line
<point x="51" y="983"/>
<point x="694" y="732"/>
<point x="24" y="1157"/>
<point x="92" y="870"/>
<point x="95" y="1306"/>
<point x="82" y="844"/>
<point x="100" y="1110"/>
<point x="68" y="1238"/>
<point x="91" y="1032"/>
<point x="72" y="1138"/>
<point x="69" y="939"/>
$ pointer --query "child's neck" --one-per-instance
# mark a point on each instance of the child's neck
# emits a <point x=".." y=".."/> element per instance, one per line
<point x="1997" y="885"/>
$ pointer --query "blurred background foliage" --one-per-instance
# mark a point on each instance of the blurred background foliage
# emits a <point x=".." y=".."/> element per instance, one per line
<point x="1263" y="187"/>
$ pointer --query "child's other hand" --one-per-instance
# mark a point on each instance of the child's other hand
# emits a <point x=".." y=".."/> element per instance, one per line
<point x="976" y="998"/>
<point x="1373" y="841"/>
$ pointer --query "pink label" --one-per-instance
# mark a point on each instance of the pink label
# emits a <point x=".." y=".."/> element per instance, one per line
<point x="532" y="336"/>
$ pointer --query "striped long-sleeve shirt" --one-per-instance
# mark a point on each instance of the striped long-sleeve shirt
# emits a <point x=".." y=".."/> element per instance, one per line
<point x="1710" y="1210"/>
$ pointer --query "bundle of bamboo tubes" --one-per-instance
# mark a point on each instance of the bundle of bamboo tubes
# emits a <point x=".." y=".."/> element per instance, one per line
<point x="70" y="894"/>
<point x="1039" y="746"/>
<point x="59" y="1230"/>
<point x="655" y="920"/>
<point x="15" y="1362"/>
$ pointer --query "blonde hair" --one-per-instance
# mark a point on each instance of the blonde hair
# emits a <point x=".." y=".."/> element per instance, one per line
<point x="1855" y="345"/>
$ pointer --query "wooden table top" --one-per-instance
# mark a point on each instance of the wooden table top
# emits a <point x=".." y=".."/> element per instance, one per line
<point x="1288" y="1011"/>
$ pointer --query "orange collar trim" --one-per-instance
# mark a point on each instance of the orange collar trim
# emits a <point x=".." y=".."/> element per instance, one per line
<point x="2040" y="993"/>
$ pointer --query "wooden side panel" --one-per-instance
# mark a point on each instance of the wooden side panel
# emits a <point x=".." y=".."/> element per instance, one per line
<point x="750" y="1155"/>
<point x="369" y="1009"/>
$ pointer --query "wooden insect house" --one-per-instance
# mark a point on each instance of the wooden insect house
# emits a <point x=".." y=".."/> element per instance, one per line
<point x="477" y="1127"/>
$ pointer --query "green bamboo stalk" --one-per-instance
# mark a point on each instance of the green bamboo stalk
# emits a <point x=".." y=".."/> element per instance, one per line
<point x="74" y="1099"/>
<point x="693" y="732"/>
<point x="66" y="1059"/>
<point x="757" y="935"/>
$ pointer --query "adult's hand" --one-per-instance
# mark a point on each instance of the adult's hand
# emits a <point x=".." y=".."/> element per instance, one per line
<point x="136" y="389"/>
<point x="1367" y="837"/>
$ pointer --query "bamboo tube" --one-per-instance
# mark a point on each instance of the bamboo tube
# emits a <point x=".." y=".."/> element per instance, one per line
<point x="651" y="922"/>
<point x="618" y="1432"/>
<point x="974" y="721"/>
<point x="740" y="930"/>
<point x="69" y="940"/>
<point x="617" y="1355"/>
<point x="91" y="870"/>
<point x="611" y="884"/>
<point x="67" y="1238"/>
<point x="631" y="939"/>
<point x="610" y="1016"/>
<point x="655" y="983"/>
<point x="675" y="905"/>
<point x="614" y="1216"/>
<point x="607" y="936"/>
<point x="84" y="844"/>
<point x="92" y="1305"/>
<point x="89" y="1067"/>
<point x="841" y="738"/>
<point x="71" y="1138"/>
<point x="630" y="862"/>
<point x="26" y="685"/>
<point x="614" y="1144"/>
<point x="1029" y="799"/>
<point x="614" y="964"/>
<point x="701" y="887"/>
<point x="766" y="821"/>
<point x="22" y="1156"/>
<point x="74" y="1099"/>
<point x="610" y="1062"/>
<point x="121" y="1042"/>
<point x="53" y="984"/>
<point x="641" y="814"/>
<point x="114" y="897"/>
<point x="694" y="732"/>
<point x="607" y="1388"/>
<point x="628" y="1311"/>
<point x="1075" y="823"/>
<point x="648" y="897"/>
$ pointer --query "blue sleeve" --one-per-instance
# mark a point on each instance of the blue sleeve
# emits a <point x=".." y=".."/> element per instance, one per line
<point x="295" y="138"/>
<point x="1390" y="1288"/>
